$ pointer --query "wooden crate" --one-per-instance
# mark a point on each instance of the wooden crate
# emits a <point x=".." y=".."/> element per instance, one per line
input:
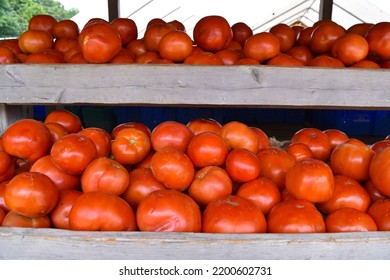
<point x="178" y="85"/>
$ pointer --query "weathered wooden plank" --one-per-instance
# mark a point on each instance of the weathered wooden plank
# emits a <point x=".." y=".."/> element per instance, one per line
<point x="25" y="243"/>
<point x="181" y="85"/>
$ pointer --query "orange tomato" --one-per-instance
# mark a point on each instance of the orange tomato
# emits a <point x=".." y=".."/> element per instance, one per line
<point x="33" y="41"/>
<point x="154" y="34"/>
<point x="69" y="120"/>
<point x="323" y="37"/>
<point x="285" y="34"/>
<point x="175" y="45"/>
<point x="349" y="220"/>
<point x="262" y="46"/>
<point x="350" y="48"/>
<point x="239" y="135"/>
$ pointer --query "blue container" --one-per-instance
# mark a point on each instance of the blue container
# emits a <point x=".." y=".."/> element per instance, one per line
<point x="264" y="115"/>
<point x="186" y="114"/>
<point x="381" y="126"/>
<point x="125" y="114"/>
<point x="39" y="112"/>
<point x="152" y="116"/>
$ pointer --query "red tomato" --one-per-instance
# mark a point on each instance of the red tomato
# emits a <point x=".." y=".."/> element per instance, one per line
<point x="126" y="28"/>
<point x="175" y="45"/>
<point x="137" y="125"/>
<point x="323" y="37"/>
<point x="34" y="41"/>
<point x="27" y="139"/>
<point x="141" y="183"/>
<point x="31" y="194"/>
<point x="264" y="141"/>
<point x="6" y="163"/>
<point x="56" y="130"/>
<point x="303" y="217"/>
<point x="262" y="46"/>
<point x="2" y="215"/>
<point x="233" y="214"/>
<point x="168" y="210"/>
<point x="207" y="148"/>
<point x="239" y="135"/>
<point x="262" y="192"/>
<point x="101" y="211"/>
<point x="70" y="121"/>
<point x="14" y="219"/>
<point x="285" y="34"/>
<point x="352" y="159"/>
<point x="378" y="171"/>
<point x="373" y="191"/>
<point x="101" y="138"/>
<point x="349" y="220"/>
<point x="130" y="146"/>
<point x="60" y="215"/>
<point x="241" y="32"/>
<point x="242" y="165"/>
<point x="379" y="145"/>
<point x="73" y="152"/>
<point x="380" y="212"/>
<point x="310" y="179"/>
<point x="336" y="137"/>
<point x="299" y="151"/>
<point x="173" y="134"/>
<point x="209" y="183"/>
<point x="105" y="174"/>
<point x="3" y="206"/>
<point x="377" y="37"/>
<point x="154" y="34"/>
<point x="347" y="193"/>
<point x="61" y="179"/>
<point x="204" y="125"/>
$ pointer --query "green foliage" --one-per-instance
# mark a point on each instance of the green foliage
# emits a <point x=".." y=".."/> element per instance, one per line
<point x="15" y="14"/>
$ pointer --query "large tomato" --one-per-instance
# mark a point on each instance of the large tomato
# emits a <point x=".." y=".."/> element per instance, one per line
<point x="176" y="46"/>
<point x="31" y="194"/>
<point x="200" y="125"/>
<point x="137" y="125"/>
<point x="56" y="130"/>
<point x="126" y="28"/>
<point x="101" y="138"/>
<point x="349" y="220"/>
<point x="27" y="139"/>
<point x="323" y="37"/>
<point x="43" y="22"/>
<point x="233" y="214"/>
<point x="242" y="165"/>
<point x="336" y="137"/>
<point x="66" y="28"/>
<point x="299" y="151"/>
<point x="173" y="134"/>
<point x="378" y="171"/>
<point x="154" y="34"/>
<point x="350" y="48"/>
<point x="102" y="211"/>
<point x="378" y="40"/>
<point x="60" y="215"/>
<point x="70" y="121"/>
<point x="285" y="34"/>
<point x="380" y="212"/>
<point x="34" y="41"/>
<point x="14" y="219"/>
<point x="264" y="140"/>
<point x="168" y="210"/>
<point x="239" y="135"/>
<point x="262" y="46"/>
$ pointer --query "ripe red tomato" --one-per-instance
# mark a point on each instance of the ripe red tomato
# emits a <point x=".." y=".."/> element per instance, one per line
<point x="60" y="215"/>
<point x="378" y="171"/>
<point x="233" y="214"/>
<point x="2" y="215"/>
<point x="323" y="37"/>
<point x="380" y="212"/>
<point x="70" y="121"/>
<point x="154" y="33"/>
<point x="373" y="191"/>
<point x="172" y="168"/>
<point x="242" y="165"/>
<point x="239" y="135"/>
<point x="101" y="138"/>
<point x="27" y="139"/>
<point x="204" y="58"/>
<point x="3" y="206"/>
<point x="310" y="179"/>
<point x="56" y="130"/>
<point x="105" y="174"/>
<point x="349" y="220"/>
<point x="31" y="194"/>
<point x="168" y="210"/>
<point x="350" y="48"/>
<point x="34" y="41"/>
<point x="264" y="140"/>
<point x="303" y="217"/>
<point x="262" y="192"/>
<point x="6" y="162"/>
<point x="176" y="46"/>
<point x="379" y="145"/>
<point x="101" y="211"/>
<point x="126" y="28"/>
<point x="209" y="183"/>
<point x="299" y="151"/>
<point x="262" y="46"/>
<point x="377" y="37"/>
<point x="73" y="152"/>
<point x="336" y="137"/>
<point x="241" y="32"/>
<point x="43" y="22"/>
<point x="285" y="34"/>
<point x="173" y="134"/>
<point x="207" y="148"/>
<point x="14" y="219"/>
<point x="137" y="125"/>
<point x="66" y="28"/>
<point x="200" y="125"/>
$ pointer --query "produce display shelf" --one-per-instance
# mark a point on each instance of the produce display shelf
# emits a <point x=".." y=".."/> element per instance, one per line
<point x="22" y="86"/>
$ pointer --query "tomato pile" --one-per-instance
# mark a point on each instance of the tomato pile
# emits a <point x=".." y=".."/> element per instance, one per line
<point x="214" y="41"/>
<point x="202" y="176"/>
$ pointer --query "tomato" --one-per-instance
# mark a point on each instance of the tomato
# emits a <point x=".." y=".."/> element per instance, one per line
<point x="3" y="206"/>
<point x="378" y="171"/>
<point x="239" y="135"/>
<point x="7" y="56"/>
<point x="303" y="38"/>
<point x="59" y="216"/>
<point x="303" y="217"/>
<point x="262" y="192"/>
<point x="212" y="33"/>
<point x="56" y="130"/>
<point x="209" y="183"/>
<point x="126" y="28"/>
<point x="147" y="57"/>
<point x="42" y="22"/>
<point x="200" y="125"/>
<point x="360" y="28"/>
<point x="299" y="151"/>
<point x="350" y="48"/>
<point x="154" y="34"/>
<point x="380" y="212"/>
<point x="14" y="219"/>
<point x="347" y="193"/>
<point x="352" y="159"/>
<point x="60" y="179"/>
<point x="5" y="163"/>
<point x="130" y="146"/>
<point x="168" y="210"/>
<point x="283" y="59"/>
<point x="141" y="183"/>
<point x="349" y="220"/>
<point x="233" y="214"/>
<point x="274" y="164"/>
<point x="70" y="121"/>
<point x="2" y="215"/>
<point x="101" y="138"/>
<point x="31" y="194"/>
<point x="10" y="169"/>
<point x="33" y="41"/>
<point x="27" y="139"/>
<point x="171" y="134"/>
<point x="247" y="61"/>
<point x="324" y="60"/>
<point x="373" y="191"/>
<point x="204" y="58"/>
<point x="73" y="152"/>
<point x="66" y="28"/>
<point x="316" y="139"/>
<point x="262" y="46"/>
<point x="137" y="47"/>
<point x="229" y="57"/>
<point x="285" y="34"/>
<point x="137" y="125"/>
<point x="302" y="53"/>
<point x="175" y="45"/>
<point x="336" y="137"/>
<point x="99" y="42"/>
<point x="12" y="44"/>
<point x="379" y="145"/>
<point x="310" y="179"/>
<point x="324" y="36"/>
<point x="241" y="32"/>
<point x="178" y="24"/>
<point x="45" y="56"/>
<point x="264" y="140"/>
<point x="242" y="165"/>
<point x="65" y="44"/>
<point x="155" y="21"/>
<point x="123" y="57"/>
<point x="377" y="37"/>
<point x="101" y="211"/>
<point x="207" y="148"/>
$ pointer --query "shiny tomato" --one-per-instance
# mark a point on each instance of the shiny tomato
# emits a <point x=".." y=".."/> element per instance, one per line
<point x="176" y="46"/>
<point x="310" y="179"/>
<point x="137" y="47"/>
<point x="209" y="183"/>
<point x="66" y="28"/>
<point x="43" y="22"/>
<point x="101" y="211"/>
<point x="316" y="139"/>
<point x="33" y="41"/>
<point x="141" y="183"/>
<point x="350" y="48"/>
<point x="7" y="56"/>
<point x="61" y="180"/>
<point x="168" y="210"/>
<point x="27" y="139"/>
<point x="285" y="34"/>
<point x="262" y="46"/>
<point x="229" y="57"/>
<point x="377" y="37"/>
<point x="147" y="57"/>
<point x="5" y="163"/>
<point x="73" y="152"/>
<point x="366" y="63"/>
<point x="3" y="206"/>
<point x="284" y="59"/>
<point x="325" y="60"/>
<point x="303" y="217"/>
<point x="378" y="171"/>
<point x="66" y="118"/>
<point x="154" y="34"/>
<point x="200" y="125"/>
<point x="233" y="214"/>
<point x="239" y="135"/>
<point x="207" y="148"/>
<point x="14" y="219"/>
<point x="241" y="32"/>
<point x="380" y="212"/>
<point x="60" y="215"/>
<point x="130" y="146"/>
<point x="302" y="53"/>
<point x="336" y="137"/>
<point x="178" y="24"/>
<point x="242" y="165"/>
<point x="360" y="28"/>
<point x="172" y="168"/>
<point x="352" y="159"/>
<point x="45" y="56"/>
<point x="127" y="29"/>
<point x="347" y="193"/>
<point x="349" y="220"/>
<point x="155" y="21"/>
<point x="262" y="192"/>
<point x="31" y="194"/>
<point x="323" y="37"/>
<point x="204" y="58"/>
<point x="379" y="145"/>
<point x="303" y="37"/>
<point x="373" y="191"/>
<point x="105" y="174"/>
<point x="264" y="140"/>
<point x="137" y="125"/>
<point x="56" y="130"/>
<point x="101" y="138"/>
<point x="171" y="134"/>
<point x="274" y="164"/>
<point x="299" y="151"/>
